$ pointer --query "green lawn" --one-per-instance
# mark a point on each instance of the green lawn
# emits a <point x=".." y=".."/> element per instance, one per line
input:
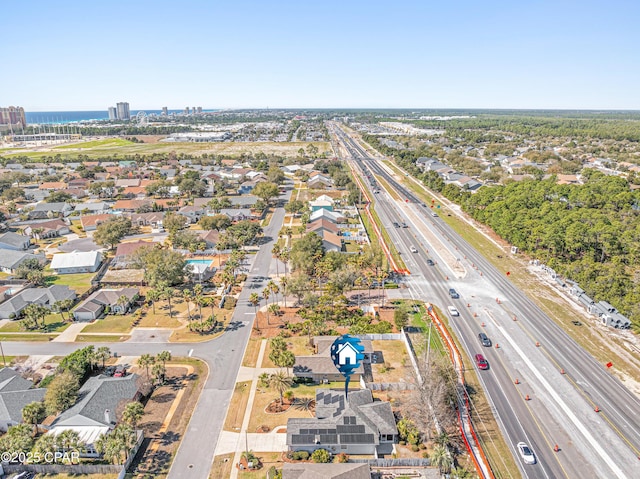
<point x="107" y="142"/>
<point x="53" y="324"/>
<point x="27" y="337"/>
<point x="112" y="323"/>
<point x="80" y="282"/>
<point x="111" y="147"/>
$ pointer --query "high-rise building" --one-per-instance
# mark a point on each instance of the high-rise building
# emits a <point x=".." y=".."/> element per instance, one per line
<point x="193" y="110"/>
<point x="113" y="113"/>
<point x="165" y="111"/>
<point x="199" y="109"/>
<point x="186" y="110"/>
<point x="13" y="116"/>
<point x="123" y="110"/>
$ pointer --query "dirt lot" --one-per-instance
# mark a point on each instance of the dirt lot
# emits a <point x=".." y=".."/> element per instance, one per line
<point x="162" y="440"/>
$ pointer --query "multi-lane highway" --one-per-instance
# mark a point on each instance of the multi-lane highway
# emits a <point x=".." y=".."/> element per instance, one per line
<point x="532" y="348"/>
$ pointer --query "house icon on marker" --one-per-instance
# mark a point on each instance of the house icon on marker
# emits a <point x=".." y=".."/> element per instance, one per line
<point x="347" y="354"/>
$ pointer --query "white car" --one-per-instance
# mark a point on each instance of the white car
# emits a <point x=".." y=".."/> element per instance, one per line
<point x="413" y="249"/>
<point x="453" y="311"/>
<point x="527" y="454"/>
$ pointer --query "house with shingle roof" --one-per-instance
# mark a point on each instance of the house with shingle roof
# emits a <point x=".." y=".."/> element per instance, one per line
<point x="97" y="303"/>
<point x="100" y="403"/>
<point x="307" y="470"/>
<point x="43" y="211"/>
<point x="320" y="367"/>
<point x="47" y="297"/>
<point x="353" y="424"/>
<point x="14" y="241"/>
<point x="125" y="251"/>
<point x="15" y="393"/>
<point x="91" y="222"/>
<point x="10" y="260"/>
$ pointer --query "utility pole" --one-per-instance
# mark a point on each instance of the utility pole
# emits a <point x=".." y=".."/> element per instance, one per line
<point x="4" y="361"/>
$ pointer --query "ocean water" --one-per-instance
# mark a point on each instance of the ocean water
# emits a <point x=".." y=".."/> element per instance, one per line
<point x="75" y="116"/>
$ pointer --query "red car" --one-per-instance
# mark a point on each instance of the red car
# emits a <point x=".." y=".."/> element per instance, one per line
<point x="481" y="362"/>
<point x="121" y="371"/>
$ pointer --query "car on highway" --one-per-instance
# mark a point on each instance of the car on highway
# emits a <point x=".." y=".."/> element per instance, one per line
<point x="526" y="453"/>
<point x="435" y="215"/>
<point x="430" y="262"/>
<point x="413" y="249"/>
<point x="396" y="224"/>
<point x="453" y="311"/>
<point x="453" y="293"/>
<point x="481" y="362"/>
<point x="404" y="225"/>
<point x="484" y="340"/>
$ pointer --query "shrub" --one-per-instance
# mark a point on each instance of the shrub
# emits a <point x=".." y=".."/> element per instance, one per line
<point x="300" y="455"/>
<point x="342" y="457"/>
<point x="321" y="456"/>
<point x="415" y="448"/>
<point x="230" y="302"/>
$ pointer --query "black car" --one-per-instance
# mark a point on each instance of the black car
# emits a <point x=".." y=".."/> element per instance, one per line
<point x="430" y="262"/>
<point x="395" y="223"/>
<point x="453" y="293"/>
<point x="109" y="370"/>
<point x="404" y="225"/>
<point x="484" y="340"/>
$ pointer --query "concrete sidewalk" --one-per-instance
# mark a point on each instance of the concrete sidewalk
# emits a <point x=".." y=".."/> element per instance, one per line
<point x="69" y="335"/>
<point x="241" y="439"/>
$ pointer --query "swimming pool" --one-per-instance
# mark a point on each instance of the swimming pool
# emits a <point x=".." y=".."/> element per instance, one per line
<point x="200" y="261"/>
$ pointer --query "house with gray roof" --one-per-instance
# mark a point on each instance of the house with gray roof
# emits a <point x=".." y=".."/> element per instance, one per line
<point x="43" y="211"/>
<point x="100" y="403"/>
<point x="98" y="302"/>
<point x="47" y="297"/>
<point x="15" y="393"/>
<point x="10" y="260"/>
<point x="320" y="367"/>
<point x="306" y="470"/>
<point x="355" y="424"/>
<point x="14" y="242"/>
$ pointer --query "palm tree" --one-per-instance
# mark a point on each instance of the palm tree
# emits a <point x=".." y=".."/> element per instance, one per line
<point x="145" y="361"/>
<point x="275" y="253"/>
<point x="280" y="382"/>
<point x="159" y="371"/>
<point x="283" y="283"/>
<point x="197" y="298"/>
<point x="69" y="440"/>
<point x="123" y="302"/>
<point x="188" y="296"/>
<point x="34" y="413"/>
<point x="168" y="293"/>
<point x="441" y="458"/>
<point x="460" y="473"/>
<point x="274" y="289"/>
<point x="132" y="413"/>
<point x="103" y="353"/>
<point x="266" y="293"/>
<point x="47" y="444"/>
<point x="255" y="300"/>
<point x="153" y="295"/>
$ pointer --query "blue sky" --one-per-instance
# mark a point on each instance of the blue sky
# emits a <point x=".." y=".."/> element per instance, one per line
<point x="86" y="55"/>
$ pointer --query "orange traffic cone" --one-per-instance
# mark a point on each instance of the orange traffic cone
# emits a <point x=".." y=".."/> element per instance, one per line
<point x="515" y="318"/>
<point x="526" y="398"/>
<point x="597" y="409"/>
<point x="562" y="371"/>
<point x="537" y="344"/>
<point x="497" y="346"/>
<point x="482" y="325"/>
<point x="517" y="381"/>
<point x="556" y="448"/>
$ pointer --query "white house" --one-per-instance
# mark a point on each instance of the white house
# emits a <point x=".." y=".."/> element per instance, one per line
<point x="76" y="262"/>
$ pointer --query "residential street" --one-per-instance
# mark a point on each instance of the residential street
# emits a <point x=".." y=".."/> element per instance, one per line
<point x="223" y="355"/>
